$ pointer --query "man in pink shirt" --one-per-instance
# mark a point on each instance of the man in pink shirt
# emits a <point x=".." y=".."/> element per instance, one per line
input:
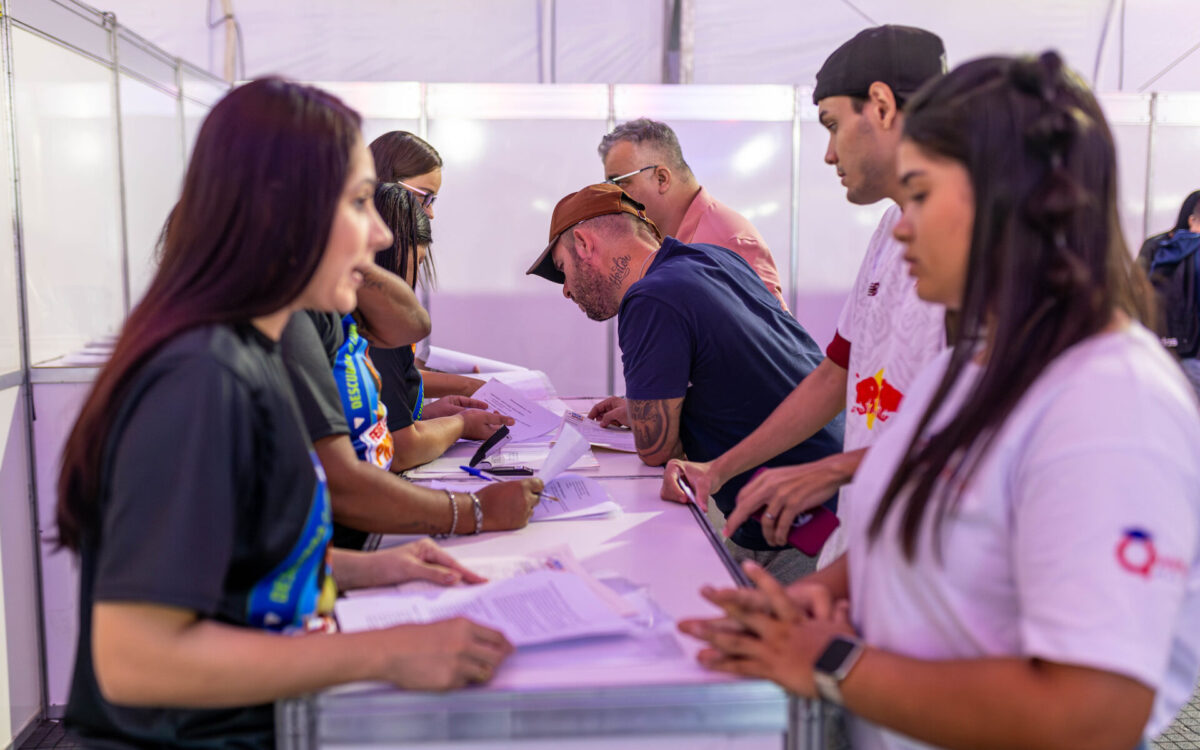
<point x="643" y="158"/>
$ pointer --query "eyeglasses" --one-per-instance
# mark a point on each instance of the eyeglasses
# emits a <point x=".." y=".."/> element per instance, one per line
<point x="427" y="197"/>
<point x="621" y="178"/>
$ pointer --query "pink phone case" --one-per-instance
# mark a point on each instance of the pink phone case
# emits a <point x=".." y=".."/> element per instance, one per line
<point x="810" y="536"/>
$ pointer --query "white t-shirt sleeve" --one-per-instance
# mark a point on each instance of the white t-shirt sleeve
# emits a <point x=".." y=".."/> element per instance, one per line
<point x="1105" y="531"/>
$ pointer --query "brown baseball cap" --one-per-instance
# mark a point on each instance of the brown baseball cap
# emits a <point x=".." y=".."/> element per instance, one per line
<point x="592" y="201"/>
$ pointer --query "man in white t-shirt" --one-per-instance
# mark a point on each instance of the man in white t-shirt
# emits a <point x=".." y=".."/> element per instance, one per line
<point x="885" y="333"/>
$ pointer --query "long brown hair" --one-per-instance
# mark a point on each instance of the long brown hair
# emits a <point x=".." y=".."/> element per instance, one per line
<point x="400" y="155"/>
<point x="245" y="238"/>
<point x="1047" y="267"/>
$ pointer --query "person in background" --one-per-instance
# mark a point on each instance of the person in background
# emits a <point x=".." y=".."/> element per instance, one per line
<point x="411" y="162"/>
<point x="885" y="333"/>
<point x="188" y="487"/>
<point x="1172" y="260"/>
<point x="707" y="351"/>
<point x="420" y="431"/>
<point x="1023" y="566"/>
<point x="643" y="158"/>
<point x="1183" y="223"/>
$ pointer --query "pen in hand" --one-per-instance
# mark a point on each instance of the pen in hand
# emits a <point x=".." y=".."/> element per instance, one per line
<point x="478" y="474"/>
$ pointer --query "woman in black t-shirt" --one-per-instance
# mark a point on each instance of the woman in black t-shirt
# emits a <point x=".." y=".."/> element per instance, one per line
<point x="189" y="488"/>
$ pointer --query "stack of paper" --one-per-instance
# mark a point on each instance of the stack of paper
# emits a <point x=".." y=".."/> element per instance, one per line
<point x="539" y="607"/>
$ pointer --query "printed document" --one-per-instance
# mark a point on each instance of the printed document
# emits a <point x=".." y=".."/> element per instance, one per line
<point x="540" y="607"/>
<point x="532" y="419"/>
<point x="532" y="384"/>
<point x="613" y="438"/>
<point x="577" y="497"/>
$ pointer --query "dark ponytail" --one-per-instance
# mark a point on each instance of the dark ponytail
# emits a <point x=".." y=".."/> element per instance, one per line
<point x="1047" y="267"/>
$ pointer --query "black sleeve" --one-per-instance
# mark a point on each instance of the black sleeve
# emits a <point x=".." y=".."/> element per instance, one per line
<point x="1145" y="256"/>
<point x="306" y="356"/>
<point x="396" y="369"/>
<point x="179" y="468"/>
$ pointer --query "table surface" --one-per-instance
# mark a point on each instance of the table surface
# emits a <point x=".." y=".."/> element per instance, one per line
<point x="668" y="550"/>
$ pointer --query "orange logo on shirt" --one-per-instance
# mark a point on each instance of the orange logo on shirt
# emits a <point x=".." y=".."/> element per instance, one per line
<point x="876" y="398"/>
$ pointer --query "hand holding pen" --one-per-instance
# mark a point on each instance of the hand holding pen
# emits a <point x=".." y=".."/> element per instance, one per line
<point x="479" y="474"/>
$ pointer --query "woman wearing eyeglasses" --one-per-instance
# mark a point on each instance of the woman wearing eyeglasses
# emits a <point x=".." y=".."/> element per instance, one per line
<point x="412" y="163"/>
<point x="1023" y="566"/>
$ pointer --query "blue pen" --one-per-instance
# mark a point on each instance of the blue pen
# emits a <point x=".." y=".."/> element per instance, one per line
<point x="477" y="473"/>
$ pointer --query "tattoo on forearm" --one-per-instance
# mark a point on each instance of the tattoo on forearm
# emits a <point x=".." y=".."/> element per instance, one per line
<point x="650" y="425"/>
<point x="620" y="269"/>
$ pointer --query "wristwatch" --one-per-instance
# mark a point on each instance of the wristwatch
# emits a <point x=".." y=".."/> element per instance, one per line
<point x="832" y="666"/>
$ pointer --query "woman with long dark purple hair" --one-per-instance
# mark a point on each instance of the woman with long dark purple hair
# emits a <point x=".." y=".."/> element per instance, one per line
<point x="189" y="488"/>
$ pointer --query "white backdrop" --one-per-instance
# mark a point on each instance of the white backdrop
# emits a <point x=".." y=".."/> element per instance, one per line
<point x="1128" y="42"/>
<point x="101" y="148"/>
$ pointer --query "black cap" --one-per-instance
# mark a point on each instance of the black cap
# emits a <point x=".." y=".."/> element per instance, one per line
<point x="903" y="57"/>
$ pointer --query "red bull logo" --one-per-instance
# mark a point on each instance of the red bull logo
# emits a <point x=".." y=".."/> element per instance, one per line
<point x="876" y="398"/>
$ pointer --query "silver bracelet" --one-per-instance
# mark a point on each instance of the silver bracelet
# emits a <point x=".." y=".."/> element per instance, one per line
<point x="453" y="517"/>
<point x="478" y="512"/>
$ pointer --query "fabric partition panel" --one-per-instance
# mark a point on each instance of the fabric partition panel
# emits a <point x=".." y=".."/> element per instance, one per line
<point x="10" y="342"/>
<point x="199" y="93"/>
<point x="66" y="142"/>
<point x="153" y="159"/>
<point x="493" y="216"/>
<point x="1129" y="119"/>
<point x="57" y="406"/>
<point x="21" y="688"/>
<point x="511" y="152"/>
<point x="1176" y="152"/>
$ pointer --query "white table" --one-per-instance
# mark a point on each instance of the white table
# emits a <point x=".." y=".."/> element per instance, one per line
<point x="578" y="694"/>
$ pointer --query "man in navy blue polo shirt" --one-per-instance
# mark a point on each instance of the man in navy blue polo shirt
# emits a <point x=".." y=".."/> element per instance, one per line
<point x="707" y="352"/>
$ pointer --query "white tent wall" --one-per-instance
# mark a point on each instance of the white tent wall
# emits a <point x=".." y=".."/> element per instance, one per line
<point x="103" y="123"/>
<point x="1120" y="45"/>
<point x="97" y="124"/>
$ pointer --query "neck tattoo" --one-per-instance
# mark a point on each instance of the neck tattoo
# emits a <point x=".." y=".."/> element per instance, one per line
<point x="642" y="270"/>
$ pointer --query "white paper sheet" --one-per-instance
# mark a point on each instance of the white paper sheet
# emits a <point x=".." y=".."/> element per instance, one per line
<point x="568" y="448"/>
<point x="532" y="419"/>
<point x="558" y="558"/>
<point x="529" y="455"/>
<point x="578" y="497"/>
<point x="448" y="360"/>
<point x="613" y="438"/>
<point x="533" y="384"/>
<point x="540" y="607"/>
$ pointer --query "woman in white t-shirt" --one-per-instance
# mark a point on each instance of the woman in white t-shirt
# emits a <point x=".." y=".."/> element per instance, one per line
<point x="1024" y="547"/>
